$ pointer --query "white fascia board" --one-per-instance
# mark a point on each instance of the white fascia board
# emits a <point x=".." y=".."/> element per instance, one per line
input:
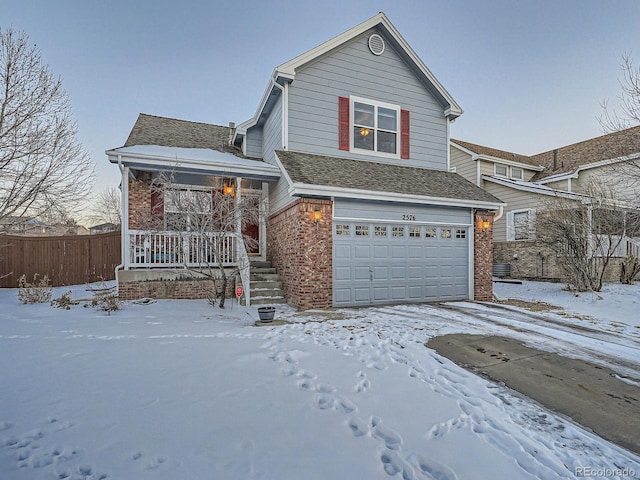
<point x="513" y="163"/>
<point x="157" y="163"/>
<point x="474" y="155"/>
<point x="558" y="177"/>
<point x="528" y="188"/>
<point x="241" y="128"/>
<point x="304" y="189"/>
<point x="288" y="69"/>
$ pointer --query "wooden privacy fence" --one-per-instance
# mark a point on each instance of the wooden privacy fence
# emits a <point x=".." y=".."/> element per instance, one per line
<point x="68" y="260"/>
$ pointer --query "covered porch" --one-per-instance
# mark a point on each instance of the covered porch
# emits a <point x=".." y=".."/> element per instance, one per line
<point x="189" y="209"/>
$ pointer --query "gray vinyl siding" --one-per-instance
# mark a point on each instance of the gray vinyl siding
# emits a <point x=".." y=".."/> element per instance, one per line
<point x="487" y="168"/>
<point x="271" y="141"/>
<point x="272" y="133"/>
<point x="253" y="142"/>
<point x="393" y="212"/>
<point x="464" y="165"/>
<point x="353" y="70"/>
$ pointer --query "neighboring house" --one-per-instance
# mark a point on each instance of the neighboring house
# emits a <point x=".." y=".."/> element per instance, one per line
<point x="526" y="183"/>
<point x="17" y="225"/>
<point x="349" y="153"/>
<point x="103" y="228"/>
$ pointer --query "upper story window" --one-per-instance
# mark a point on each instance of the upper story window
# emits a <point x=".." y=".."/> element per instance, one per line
<point x="502" y="170"/>
<point x="516" y="173"/>
<point x="373" y="128"/>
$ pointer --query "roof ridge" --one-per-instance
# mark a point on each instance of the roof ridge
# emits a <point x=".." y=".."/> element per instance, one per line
<point x="182" y="120"/>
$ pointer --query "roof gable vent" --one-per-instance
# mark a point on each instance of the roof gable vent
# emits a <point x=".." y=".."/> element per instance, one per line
<point x="376" y="44"/>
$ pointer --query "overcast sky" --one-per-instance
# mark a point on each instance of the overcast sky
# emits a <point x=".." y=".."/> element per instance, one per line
<point x="530" y="74"/>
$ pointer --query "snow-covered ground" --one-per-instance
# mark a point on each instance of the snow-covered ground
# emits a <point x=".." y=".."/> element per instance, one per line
<point x="181" y="390"/>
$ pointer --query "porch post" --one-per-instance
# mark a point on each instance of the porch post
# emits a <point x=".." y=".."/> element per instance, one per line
<point x="124" y="219"/>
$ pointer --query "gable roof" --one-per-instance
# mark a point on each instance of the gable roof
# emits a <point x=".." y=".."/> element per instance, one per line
<point x="171" y="132"/>
<point x="385" y="27"/>
<point x="310" y="174"/>
<point x="616" y="145"/>
<point x="495" y="153"/>
<point x="286" y="72"/>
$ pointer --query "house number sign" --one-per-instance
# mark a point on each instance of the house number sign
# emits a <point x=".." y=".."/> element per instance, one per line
<point x="409" y="217"/>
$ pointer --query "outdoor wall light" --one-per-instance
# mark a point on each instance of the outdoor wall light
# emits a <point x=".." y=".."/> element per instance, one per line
<point x="484" y="224"/>
<point x="316" y="216"/>
<point x="229" y="188"/>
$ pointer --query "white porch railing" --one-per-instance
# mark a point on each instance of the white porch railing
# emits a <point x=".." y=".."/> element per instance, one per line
<point x="183" y="249"/>
<point x="622" y="246"/>
<point x="180" y="249"/>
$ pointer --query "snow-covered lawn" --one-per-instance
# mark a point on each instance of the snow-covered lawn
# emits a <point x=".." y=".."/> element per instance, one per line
<point x="181" y="390"/>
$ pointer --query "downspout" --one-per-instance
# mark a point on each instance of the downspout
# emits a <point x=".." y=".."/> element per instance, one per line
<point x="499" y="215"/>
<point x="124" y="217"/>
<point x="285" y="112"/>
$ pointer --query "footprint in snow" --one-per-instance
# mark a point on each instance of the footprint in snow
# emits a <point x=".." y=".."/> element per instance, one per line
<point x="357" y="426"/>
<point x="390" y="438"/>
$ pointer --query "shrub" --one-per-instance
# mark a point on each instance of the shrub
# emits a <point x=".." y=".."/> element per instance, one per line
<point x="105" y="299"/>
<point x="64" y="301"/>
<point x="39" y="291"/>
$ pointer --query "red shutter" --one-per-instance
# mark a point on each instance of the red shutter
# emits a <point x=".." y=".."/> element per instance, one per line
<point x="343" y="123"/>
<point x="404" y="134"/>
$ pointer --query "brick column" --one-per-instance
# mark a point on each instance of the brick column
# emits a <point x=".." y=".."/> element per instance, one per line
<point x="483" y="257"/>
<point x="301" y="249"/>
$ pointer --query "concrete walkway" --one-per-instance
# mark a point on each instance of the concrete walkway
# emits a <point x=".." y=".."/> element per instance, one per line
<point x="592" y="396"/>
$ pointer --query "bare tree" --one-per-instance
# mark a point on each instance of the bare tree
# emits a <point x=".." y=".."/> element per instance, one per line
<point x="626" y="116"/>
<point x="106" y="207"/>
<point x="209" y="220"/>
<point x="42" y="165"/>
<point x="586" y="234"/>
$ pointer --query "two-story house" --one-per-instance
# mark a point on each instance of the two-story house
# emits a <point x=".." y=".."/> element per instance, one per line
<point x="527" y="183"/>
<point x="348" y="152"/>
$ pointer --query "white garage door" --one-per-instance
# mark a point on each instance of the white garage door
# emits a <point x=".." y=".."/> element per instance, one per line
<point x="378" y="262"/>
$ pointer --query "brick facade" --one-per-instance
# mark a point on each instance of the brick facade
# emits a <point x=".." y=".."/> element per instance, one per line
<point x="175" y="284"/>
<point x="483" y="258"/>
<point x="302" y="252"/>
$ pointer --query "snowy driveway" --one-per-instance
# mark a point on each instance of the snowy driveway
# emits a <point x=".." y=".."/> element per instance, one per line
<point x="175" y="389"/>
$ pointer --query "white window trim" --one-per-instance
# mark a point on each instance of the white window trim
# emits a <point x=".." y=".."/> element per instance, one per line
<point x="376" y="104"/>
<point x="521" y="173"/>
<point x="511" y="226"/>
<point x="495" y="170"/>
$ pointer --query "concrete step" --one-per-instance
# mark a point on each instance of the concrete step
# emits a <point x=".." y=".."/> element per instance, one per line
<point x="265" y="284"/>
<point x="262" y="277"/>
<point x="262" y="270"/>
<point x="267" y="292"/>
<point x="260" y="264"/>
<point x="267" y="300"/>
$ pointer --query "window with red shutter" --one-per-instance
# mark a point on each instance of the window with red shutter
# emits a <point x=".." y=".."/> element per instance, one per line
<point x="375" y="127"/>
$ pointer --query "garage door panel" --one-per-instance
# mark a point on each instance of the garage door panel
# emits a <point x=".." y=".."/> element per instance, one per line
<point x="398" y="293"/>
<point x="415" y="272"/>
<point x="381" y="272"/>
<point x="361" y="251"/>
<point x="381" y="252"/>
<point x="398" y="252"/>
<point x="342" y="273"/>
<point x="381" y="294"/>
<point x="362" y="294"/>
<point x="342" y="295"/>
<point x="398" y="272"/>
<point x="342" y="252"/>
<point x="361" y="273"/>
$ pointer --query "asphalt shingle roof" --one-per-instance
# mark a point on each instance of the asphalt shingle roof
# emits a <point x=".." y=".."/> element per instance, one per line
<point x="311" y="169"/>
<point x="494" y="152"/>
<point x="171" y="132"/>
<point x="613" y="145"/>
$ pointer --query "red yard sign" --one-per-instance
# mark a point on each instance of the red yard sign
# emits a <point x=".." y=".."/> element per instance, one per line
<point x="239" y="291"/>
